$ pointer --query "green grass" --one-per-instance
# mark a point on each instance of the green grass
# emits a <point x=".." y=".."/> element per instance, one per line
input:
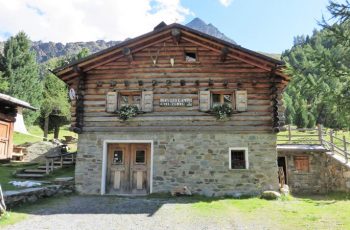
<point x="19" y="138"/>
<point x="7" y="171"/>
<point x="321" y="212"/>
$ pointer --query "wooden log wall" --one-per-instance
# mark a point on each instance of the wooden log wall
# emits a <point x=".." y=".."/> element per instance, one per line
<point x="151" y="69"/>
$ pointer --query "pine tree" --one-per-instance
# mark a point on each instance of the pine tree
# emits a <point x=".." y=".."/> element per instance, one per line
<point x="311" y="121"/>
<point x="301" y="115"/>
<point x="55" y="110"/>
<point x="20" y="71"/>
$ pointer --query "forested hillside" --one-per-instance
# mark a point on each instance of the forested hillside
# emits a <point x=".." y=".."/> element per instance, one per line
<point x="320" y="68"/>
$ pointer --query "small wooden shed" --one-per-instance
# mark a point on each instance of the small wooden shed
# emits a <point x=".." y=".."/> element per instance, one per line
<point x="8" y="112"/>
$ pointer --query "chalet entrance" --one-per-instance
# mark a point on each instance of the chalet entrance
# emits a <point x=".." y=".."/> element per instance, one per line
<point x="128" y="168"/>
<point x="4" y="139"/>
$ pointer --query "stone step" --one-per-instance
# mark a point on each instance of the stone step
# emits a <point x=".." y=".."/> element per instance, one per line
<point x="35" y="171"/>
<point x="44" y="167"/>
<point x="29" y="175"/>
<point x="64" y="163"/>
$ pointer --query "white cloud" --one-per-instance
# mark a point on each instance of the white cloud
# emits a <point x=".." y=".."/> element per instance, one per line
<point x="225" y="3"/>
<point x="87" y="20"/>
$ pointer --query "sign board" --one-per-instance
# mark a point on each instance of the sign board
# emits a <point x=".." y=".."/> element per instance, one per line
<point x="175" y="102"/>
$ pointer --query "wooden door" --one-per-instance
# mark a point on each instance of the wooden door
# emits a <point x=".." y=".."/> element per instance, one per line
<point x="128" y="169"/>
<point x="4" y="139"/>
<point x="140" y="168"/>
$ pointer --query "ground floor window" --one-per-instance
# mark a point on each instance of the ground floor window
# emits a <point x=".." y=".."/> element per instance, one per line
<point x="301" y="163"/>
<point x="238" y="158"/>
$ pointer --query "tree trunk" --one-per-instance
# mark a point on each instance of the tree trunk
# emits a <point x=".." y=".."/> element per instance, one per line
<point x="56" y="132"/>
<point x="46" y="128"/>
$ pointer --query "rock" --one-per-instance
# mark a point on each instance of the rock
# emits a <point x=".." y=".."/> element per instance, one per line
<point x="183" y="191"/>
<point x="270" y="195"/>
<point x="285" y="190"/>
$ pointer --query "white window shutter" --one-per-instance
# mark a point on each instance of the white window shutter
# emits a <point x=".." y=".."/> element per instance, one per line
<point x="241" y="100"/>
<point x="147" y="101"/>
<point x="111" y="102"/>
<point x="204" y="101"/>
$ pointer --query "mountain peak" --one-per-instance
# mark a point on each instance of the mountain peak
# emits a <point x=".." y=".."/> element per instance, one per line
<point x="210" y="29"/>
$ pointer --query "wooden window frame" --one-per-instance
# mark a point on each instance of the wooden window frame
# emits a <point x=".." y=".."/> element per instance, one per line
<point x="222" y="100"/>
<point x="121" y="163"/>
<point x="297" y="166"/>
<point x="143" y="163"/>
<point x="190" y="50"/>
<point x="130" y="94"/>
<point x="246" y="157"/>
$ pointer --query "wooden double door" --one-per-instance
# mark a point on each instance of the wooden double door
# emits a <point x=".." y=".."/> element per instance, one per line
<point x="128" y="169"/>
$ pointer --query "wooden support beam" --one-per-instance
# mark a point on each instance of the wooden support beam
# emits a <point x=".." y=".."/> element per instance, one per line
<point x="223" y="54"/>
<point x="176" y="35"/>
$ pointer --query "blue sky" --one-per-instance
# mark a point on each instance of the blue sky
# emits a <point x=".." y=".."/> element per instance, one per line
<point x="260" y="25"/>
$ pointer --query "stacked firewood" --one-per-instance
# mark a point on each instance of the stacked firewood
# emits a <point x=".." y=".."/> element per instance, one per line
<point x="2" y="203"/>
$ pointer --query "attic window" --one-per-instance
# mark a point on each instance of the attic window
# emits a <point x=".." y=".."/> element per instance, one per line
<point x="190" y="56"/>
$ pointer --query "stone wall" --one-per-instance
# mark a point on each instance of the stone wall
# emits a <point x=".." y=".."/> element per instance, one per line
<point x="61" y="186"/>
<point x="325" y="173"/>
<point x="199" y="160"/>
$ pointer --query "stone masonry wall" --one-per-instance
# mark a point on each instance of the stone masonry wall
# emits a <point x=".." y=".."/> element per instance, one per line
<point x="325" y="174"/>
<point x="199" y="160"/>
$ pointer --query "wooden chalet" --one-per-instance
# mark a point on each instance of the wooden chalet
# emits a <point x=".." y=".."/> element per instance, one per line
<point x="176" y="76"/>
<point x="8" y="112"/>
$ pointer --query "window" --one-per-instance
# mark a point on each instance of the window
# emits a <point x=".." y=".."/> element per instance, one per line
<point x="130" y="99"/>
<point x="190" y="56"/>
<point x="140" y="157"/>
<point x="219" y="99"/>
<point x="301" y="163"/>
<point x="238" y="158"/>
<point x="118" y="157"/>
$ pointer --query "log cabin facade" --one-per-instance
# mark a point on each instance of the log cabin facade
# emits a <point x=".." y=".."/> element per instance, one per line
<point x="175" y="76"/>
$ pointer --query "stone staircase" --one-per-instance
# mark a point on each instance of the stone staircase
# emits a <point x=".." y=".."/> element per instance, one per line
<point x="52" y="163"/>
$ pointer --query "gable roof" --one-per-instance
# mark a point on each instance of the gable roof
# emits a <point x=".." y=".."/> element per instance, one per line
<point x="103" y="56"/>
<point x="16" y="102"/>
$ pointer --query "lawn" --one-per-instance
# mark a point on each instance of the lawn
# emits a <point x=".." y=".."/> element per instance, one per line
<point x="309" y="212"/>
<point x="7" y="171"/>
<point x="37" y="134"/>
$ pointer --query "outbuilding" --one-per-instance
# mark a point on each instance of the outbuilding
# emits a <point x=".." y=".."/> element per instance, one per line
<point x="10" y="110"/>
<point x="176" y="107"/>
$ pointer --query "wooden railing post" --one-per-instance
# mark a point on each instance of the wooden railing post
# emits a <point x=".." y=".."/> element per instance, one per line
<point x="289" y="134"/>
<point x="52" y="164"/>
<point x="61" y="162"/>
<point x="320" y="134"/>
<point x="345" y="150"/>
<point x="331" y="139"/>
<point x="47" y="166"/>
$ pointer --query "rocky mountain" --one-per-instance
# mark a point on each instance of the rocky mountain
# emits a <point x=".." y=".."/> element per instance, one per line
<point x="46" y="50"/>
<point x="200" y="25"/>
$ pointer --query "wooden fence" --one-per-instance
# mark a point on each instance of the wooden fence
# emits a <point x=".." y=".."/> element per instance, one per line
<point x="317" y="136"/>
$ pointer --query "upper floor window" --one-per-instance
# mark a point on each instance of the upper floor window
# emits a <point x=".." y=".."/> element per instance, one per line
<point x="219" y="99"/>
<point x="190" y="56"/>
<point x="130" y="98"/>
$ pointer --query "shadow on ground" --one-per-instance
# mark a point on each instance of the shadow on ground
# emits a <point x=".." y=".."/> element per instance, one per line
<point x="84" y="204"/>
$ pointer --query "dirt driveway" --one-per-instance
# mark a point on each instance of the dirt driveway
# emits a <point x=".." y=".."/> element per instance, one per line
<point x="96" y="212"/>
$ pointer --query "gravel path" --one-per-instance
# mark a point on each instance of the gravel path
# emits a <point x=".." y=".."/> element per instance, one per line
<point x="96" y="212"/>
